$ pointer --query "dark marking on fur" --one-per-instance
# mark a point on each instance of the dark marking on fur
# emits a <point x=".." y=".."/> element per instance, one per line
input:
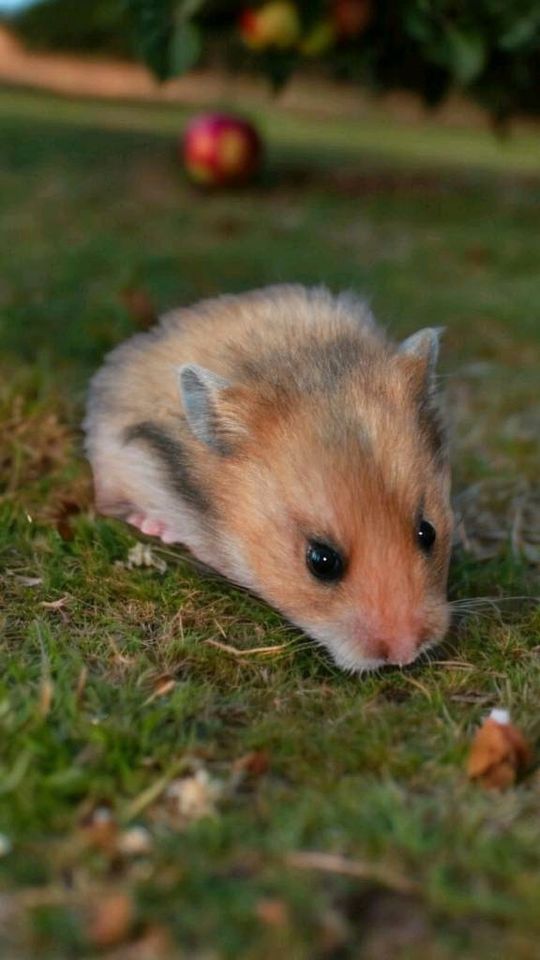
<point x="307" y="367"/>
<point x="174" y="458"/>
<point x="433" y="428"/>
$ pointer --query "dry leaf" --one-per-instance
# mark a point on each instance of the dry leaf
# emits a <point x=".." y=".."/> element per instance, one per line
<point x="135" y="842"/>
<point x="55" y="604"/>
<point x="46" y="695"/>
<point x="100" y="831"/>
<point x="195" y="796"/>
<point x="141" y="555"/>
<point x="81" y="684"/>
<point x="498" y="753"/>
<point x="161" y="687"/>
<point x="254" y="763"/>
<point x="28" y="581"/>
<point x="111" y="920"/>
<point x="139" y="306"/>
<point x="273" y="911"/>
<point x="66" y="509"/>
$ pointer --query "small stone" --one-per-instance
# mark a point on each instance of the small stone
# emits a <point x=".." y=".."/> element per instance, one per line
<point x="135" y="842"/>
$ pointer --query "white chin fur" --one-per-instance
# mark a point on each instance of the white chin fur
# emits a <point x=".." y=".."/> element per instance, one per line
<point x="354" y="665"/>
<point x="346" y="658"/>
<point x="349" y="658"/>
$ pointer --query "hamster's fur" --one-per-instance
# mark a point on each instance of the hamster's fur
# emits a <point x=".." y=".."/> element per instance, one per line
<point x="251" y="427"/>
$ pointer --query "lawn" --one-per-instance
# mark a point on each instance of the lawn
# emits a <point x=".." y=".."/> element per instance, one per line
<point x="122" y="682"/>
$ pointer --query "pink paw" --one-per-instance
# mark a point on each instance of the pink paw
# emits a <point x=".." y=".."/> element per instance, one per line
<point x="152" y="528"/>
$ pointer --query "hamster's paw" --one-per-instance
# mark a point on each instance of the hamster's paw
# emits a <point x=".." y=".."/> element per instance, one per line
<point x="152" y="527"/>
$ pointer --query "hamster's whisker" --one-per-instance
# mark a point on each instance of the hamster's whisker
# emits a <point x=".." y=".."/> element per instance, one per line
<point x="471" y="603"/>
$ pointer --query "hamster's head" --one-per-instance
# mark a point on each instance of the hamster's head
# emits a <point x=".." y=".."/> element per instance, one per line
<point x="335" y="501"/>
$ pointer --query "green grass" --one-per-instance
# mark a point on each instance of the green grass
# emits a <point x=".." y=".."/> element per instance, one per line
<point x="92" y="202"/>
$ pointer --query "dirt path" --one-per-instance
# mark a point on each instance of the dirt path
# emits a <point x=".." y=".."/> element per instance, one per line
<point x="89" y="77"/>
<point x="77" y="76"/>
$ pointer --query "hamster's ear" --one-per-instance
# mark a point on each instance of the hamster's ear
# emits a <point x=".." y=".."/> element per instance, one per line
<point x="420" y="352"/>
<point x="423" y="345"/>
<point x="209" y="408"/>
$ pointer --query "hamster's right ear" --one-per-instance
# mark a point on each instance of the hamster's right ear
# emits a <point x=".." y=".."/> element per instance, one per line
<point x="209" y="407"/>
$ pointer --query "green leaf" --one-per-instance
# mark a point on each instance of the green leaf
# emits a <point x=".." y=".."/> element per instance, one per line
<point x="466" y="54"/>
<point x="153" y="24"/>
<point x="188" y="8"/>
<point x="185" y="48"/>
<point x="520" y="33"/>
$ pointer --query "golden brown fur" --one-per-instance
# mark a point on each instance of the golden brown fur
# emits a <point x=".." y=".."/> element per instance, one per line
<point x="313" y="425"/>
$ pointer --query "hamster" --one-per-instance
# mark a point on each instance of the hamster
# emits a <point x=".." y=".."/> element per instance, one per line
<point x="293" y="448"/>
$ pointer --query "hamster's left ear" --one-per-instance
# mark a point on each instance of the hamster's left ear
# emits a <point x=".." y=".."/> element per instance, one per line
<point x="420" y="351"/>
<point x="423" y="345"/>
<point x="210" y="409"/>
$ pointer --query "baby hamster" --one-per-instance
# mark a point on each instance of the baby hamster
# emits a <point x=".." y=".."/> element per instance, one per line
<point x="292" y="447"/>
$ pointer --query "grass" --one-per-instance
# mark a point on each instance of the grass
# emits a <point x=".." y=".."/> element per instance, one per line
<point x="109" y="689"/>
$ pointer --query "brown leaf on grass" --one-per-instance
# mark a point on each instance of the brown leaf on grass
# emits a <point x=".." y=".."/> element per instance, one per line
<point x="478" y="255"/>
<point x="81" y="685"/>
<point x="272" y="911"/>
<point x="111" y="920"/>
<point x="64" y="513"/>
<point x="142" y="555"/>
<point x="55" y="604"/>
<point x="499" y="752"/>
<point x="162" y="685"/>
<point x="254" y="763"/>
<point x="135" y="842"/>
<point x="139" y="306"/>
<point x="28" y="581"/>
<point x="46" y="695"/>
<point x="66" y="503"/>
<point x="195" y="796"/>
<point x="100" y="831"/>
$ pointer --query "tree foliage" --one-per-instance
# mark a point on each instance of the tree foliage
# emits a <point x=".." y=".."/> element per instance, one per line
<point x="490" y="49"/>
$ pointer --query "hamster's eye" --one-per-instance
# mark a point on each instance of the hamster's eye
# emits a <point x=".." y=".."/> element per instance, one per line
<point x="425" y="535"/>
<point x="324" y="562"/>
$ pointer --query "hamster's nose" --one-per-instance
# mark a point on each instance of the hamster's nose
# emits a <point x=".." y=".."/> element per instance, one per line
<point x="397" y="651"/>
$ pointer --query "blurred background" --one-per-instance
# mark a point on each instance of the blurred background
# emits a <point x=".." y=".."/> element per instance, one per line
<point x="155" y="152"/>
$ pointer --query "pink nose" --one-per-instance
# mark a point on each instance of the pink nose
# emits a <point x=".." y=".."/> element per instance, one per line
<point x="398" y="650"/>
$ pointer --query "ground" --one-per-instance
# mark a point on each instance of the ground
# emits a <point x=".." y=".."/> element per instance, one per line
<point x="124" y="687"/>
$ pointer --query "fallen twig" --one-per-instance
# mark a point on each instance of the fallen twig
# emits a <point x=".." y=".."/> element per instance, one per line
<point x="265" y="651"/>
<point x="336" y="863"/>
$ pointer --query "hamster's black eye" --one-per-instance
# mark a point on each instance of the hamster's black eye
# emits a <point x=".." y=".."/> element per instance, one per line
<point x="324" y="562"/>
<point x="425" y="535"/>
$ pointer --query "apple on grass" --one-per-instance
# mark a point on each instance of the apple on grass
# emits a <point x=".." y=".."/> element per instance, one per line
<point x="220" y="149"/>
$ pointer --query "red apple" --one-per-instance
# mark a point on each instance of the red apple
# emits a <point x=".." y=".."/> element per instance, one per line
<point x="220" y="149"/>
<point x="275" y="24"/>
